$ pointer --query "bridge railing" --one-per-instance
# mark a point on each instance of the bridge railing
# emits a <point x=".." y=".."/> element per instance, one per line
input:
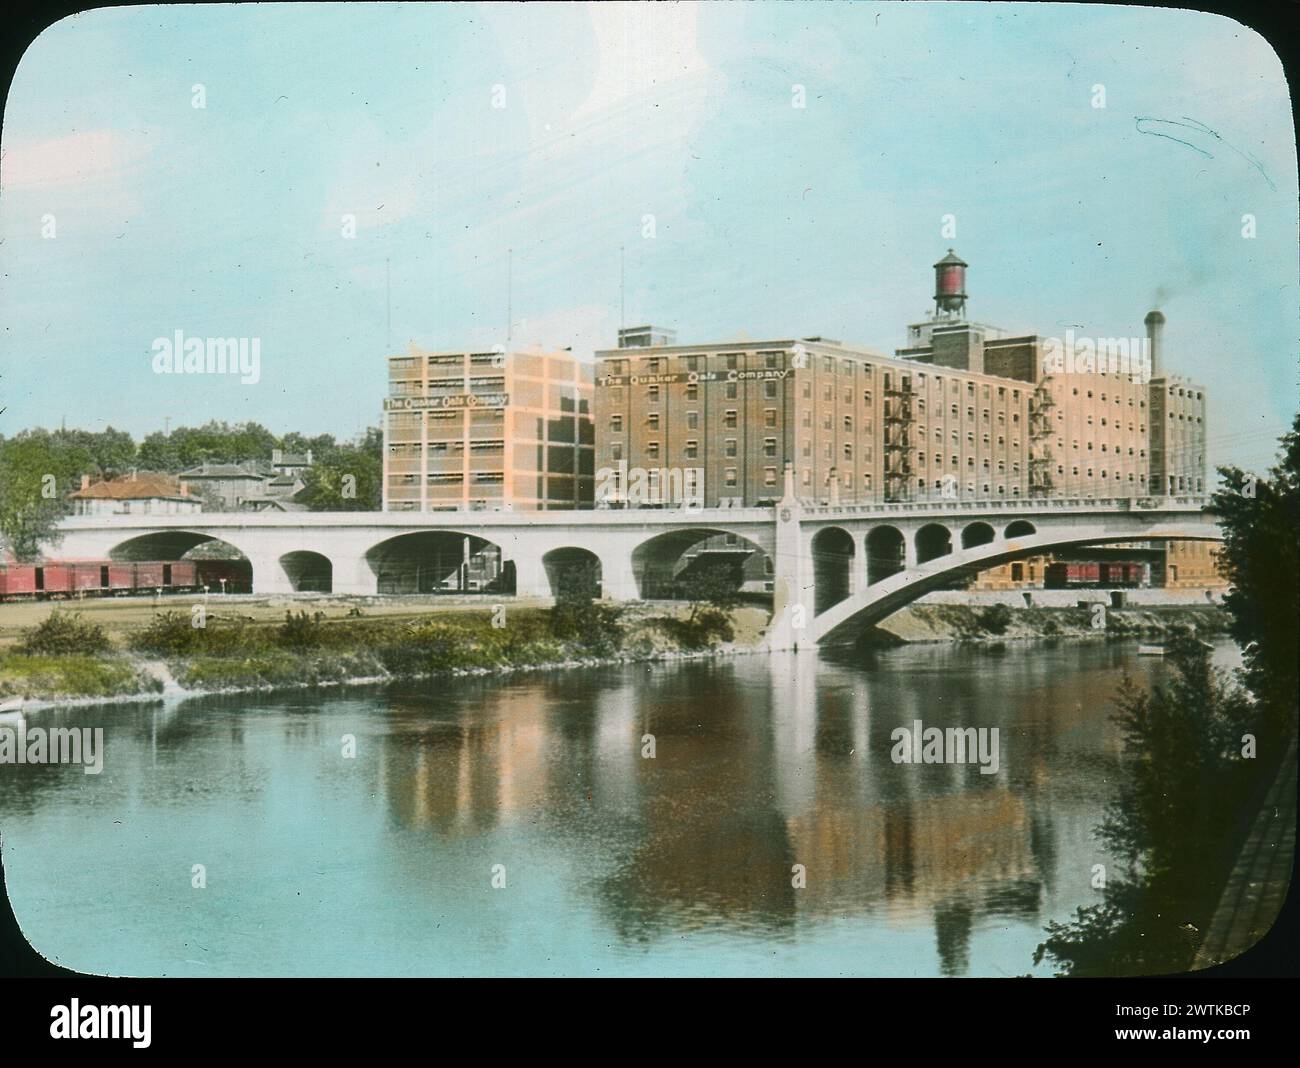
<point x="1027" y="505"/>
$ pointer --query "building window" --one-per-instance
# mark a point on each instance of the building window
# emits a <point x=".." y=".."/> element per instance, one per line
<point x="692" y="420"/>
<point x="769" y="476"/>
<point x="652" y="450"/>
<point x="848" y="424"/>
<point x="731" y="391"/>
<point x="692" y="449"/>
<point x="769" y="446"/>
<point x="729" y="419"/>
<point x="653" y="394"/>
<point x="616" y="424"/>
<point x="732" y="359"/>
<point x="692" y="391"/>
<point x="616" y="450"/>
<point x="652" y="420"/>
<point x="730" y="476"/>
<point x="769" y="418"/>
<point x="770" y="360"/>
<point x="730" y="448"/>
<point x="769" y="389"/>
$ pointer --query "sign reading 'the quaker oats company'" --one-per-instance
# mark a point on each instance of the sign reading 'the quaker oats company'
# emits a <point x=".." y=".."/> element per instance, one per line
<point x="454" y="400"/>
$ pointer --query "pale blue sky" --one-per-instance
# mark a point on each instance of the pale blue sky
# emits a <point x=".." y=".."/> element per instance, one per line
<point x="769" y="220"/>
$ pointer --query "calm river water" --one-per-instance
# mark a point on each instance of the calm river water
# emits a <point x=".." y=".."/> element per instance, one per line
<point x="613" y="863"/>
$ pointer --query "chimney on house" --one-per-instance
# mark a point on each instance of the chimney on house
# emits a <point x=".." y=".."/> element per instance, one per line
<point x="85" y="482"/>
<point x="1155" y="321"/>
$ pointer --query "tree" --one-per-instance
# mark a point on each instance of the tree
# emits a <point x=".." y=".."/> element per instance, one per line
<point x="1172" y="826"/>
<point x="346" y="477"/>
<point x="34" y="481"/>
<point x="1260" y="518"/>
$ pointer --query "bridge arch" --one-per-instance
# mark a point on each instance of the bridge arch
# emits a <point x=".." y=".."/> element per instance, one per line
<point x="881" y="599"/>
<point x="440" y="561"/>
<point x="1020" y="528"/>
<point x="664" y="565"/>
<point x="932" y="541"/>
<point x="832" y="558"/>
<point x="886" y="553"/>
<point x="308" y="571"/>
<point x="573" y="571"/>
<point x="220" y="562"/>
<point x="975" y="534"/>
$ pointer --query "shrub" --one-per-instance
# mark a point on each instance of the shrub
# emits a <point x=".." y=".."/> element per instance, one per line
<point x="299" y="631"/>
<point x="596" y="628"/>
<point x="62" y="634"/>
<point x="996" y="618"/>
<point x="173" y="634"/>
<point x="702" y="629"/>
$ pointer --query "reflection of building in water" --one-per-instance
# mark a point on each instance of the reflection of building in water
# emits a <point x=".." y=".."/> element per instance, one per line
<point x="955" y="858"/>
<point x="470" y="774"/>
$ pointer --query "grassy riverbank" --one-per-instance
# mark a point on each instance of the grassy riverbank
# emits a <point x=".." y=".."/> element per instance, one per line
<point x="984" y="623"/>
<point x="66" y="656"/>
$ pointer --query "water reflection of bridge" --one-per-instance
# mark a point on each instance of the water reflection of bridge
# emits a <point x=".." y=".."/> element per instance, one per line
<point x="791" y="771"/>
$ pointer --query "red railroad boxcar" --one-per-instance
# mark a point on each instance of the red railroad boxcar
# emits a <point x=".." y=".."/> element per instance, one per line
<point x="17" y="582"/>
<point x="54" y="580"/>
<point x="87" y="576"/>
<point x="149" y="576"/>
<point x="121" y="578"/>
<point x="181" y="575"/>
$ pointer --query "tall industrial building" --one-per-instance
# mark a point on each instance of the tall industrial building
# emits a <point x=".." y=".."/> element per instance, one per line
<point x="856" y="425"/>
<point x="487" y="431"/>
<point x="964" y="411"/>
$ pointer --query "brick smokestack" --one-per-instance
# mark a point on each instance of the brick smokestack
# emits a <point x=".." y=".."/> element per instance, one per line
<point x="1155" y="321"/>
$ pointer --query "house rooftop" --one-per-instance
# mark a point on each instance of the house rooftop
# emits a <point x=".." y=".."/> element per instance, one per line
<point x="135" y="487"/>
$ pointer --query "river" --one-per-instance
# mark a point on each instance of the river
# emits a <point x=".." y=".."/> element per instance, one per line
<point x="519" y="826"/>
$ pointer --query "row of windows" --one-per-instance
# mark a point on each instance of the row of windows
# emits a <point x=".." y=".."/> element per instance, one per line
<point x="970" y="462"/>
<point x="442" y="478"/>
<point x="658" y="364"/>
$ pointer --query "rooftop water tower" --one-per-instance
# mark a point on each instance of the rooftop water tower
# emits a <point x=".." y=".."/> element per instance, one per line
<point x="950" y="286"/>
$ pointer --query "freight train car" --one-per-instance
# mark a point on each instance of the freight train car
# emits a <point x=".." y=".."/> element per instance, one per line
<point x="96" y="578"/>
<point x="1065" y="576"/>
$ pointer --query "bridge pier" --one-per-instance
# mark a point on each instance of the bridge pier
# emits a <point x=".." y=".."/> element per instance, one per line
<point x="269" y="576"/>
<point x="792" y="580"/>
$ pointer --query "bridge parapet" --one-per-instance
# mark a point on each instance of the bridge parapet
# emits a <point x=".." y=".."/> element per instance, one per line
<point x="1028" y="506"/>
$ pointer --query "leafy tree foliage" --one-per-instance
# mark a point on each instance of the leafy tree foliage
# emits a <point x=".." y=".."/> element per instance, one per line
<point x="1260" y="518"/>
<point x="1172" y="827"/>
<point x="1181" y="810"/>
<point x="345" y="477"/>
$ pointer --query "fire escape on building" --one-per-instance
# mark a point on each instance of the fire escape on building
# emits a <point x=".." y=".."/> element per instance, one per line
<point x="898" y="437"/>
<point x="1041" y="404"/>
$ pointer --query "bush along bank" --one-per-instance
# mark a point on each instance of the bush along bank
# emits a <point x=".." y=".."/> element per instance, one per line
<point x="65" y="657"/>
<point x="1000" y="623"/>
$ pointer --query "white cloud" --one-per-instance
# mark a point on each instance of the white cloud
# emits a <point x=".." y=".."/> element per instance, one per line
<point x="83" y="158"/>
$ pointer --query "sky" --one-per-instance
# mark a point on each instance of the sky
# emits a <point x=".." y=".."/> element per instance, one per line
<point x="505" y="166"/>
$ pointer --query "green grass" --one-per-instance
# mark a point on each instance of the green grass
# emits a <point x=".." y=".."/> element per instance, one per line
<point x="72" y="676"/>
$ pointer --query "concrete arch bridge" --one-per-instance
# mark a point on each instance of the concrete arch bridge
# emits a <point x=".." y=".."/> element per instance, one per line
<point x="833" y="570"/>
